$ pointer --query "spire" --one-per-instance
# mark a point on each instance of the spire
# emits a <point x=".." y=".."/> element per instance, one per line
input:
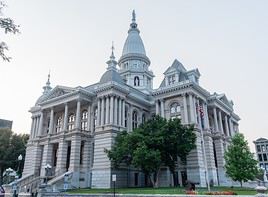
<point x="47" y="87"/>
<point x="111" y="62"/>
<point x="133" y="25"/>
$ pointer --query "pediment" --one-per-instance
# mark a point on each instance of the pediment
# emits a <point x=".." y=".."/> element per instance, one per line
<point x="176" y="66"/>
<point x="59" y="91"/>
<point x="224" y="99"/>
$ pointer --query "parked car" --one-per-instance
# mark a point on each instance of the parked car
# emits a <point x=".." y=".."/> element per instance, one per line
<point x="2" y="191"/>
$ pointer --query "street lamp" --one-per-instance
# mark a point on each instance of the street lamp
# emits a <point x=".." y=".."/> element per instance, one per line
<point x="47" y="171"/>
<point x="19" y="159"/>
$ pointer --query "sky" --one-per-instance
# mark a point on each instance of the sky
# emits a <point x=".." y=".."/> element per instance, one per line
<point x="226" y="40"/>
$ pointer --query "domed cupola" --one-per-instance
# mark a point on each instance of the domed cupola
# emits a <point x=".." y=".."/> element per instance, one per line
<point x="47" y="88"/>
<point x="134" y="63"/>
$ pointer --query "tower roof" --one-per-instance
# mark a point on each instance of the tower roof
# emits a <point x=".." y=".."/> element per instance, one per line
<point x="133" y="43"/>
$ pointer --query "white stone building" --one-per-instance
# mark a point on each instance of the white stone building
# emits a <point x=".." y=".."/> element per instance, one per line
<point x="71" y="126"/>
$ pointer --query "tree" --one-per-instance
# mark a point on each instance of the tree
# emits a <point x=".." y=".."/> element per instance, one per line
<point x="240" y="164"/>
<point x="11" y="146"/>
<point x="153" y="144"/>
<point x="8" y="25"/>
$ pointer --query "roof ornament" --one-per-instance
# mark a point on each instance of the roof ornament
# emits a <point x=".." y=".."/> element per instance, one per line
<point x="112" y="63"/>
<point x="47" y="87"/>
<point x="133" y="25"/>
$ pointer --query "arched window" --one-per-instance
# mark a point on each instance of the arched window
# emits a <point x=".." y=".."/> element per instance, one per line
<point x="143" y="118"/>
<point x="71" y="120"/>
<point x="59" y="124"/>
<point x="84" y="125"/>
<point x="134" y="120"/>
<point x="175" y="111"/>
<point x="136" y="81"/>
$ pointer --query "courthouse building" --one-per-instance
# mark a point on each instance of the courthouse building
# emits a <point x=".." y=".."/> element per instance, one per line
<point x="71" y="126"/>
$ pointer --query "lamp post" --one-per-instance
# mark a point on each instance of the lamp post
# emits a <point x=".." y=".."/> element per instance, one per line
<point x="19" y="163"/>
<point x="47" y="171"/>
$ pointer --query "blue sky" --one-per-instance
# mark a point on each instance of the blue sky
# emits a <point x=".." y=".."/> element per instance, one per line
<point x="226" y="40"/>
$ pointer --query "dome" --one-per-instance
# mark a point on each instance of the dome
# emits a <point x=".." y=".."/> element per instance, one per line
<point x="111" y="75"/>
<point x="133" y="43"/>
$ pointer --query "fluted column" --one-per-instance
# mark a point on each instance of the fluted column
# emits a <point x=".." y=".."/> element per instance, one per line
<point x="99" y="112"/>
<point x="162" y="108"/>
<point x="186" y="121"/>
<point x="112" y="109"/>
<point x="78" y="114"/>
<point x="231" y="126"/>
<point x="107" y="111"/>
<point x="32" y="127"/>
<point x="226" y="125"/>
<point x="65" y="121"/>
<point x="51" y="122"/>
<point x="206" y="119"/>
<point x="220" y="119"/>
<point x="102" y="111"/>
<point x="156" y="107"/>
<point x="89" y="114"/>
<point x="120" y="112"/>
<point x="215" y="119"/>
<point x="191" y="108"/>
<point x="40" y="129"/>
<point x="115" y="111"/>
<point x="124" y="113"/>
<point x="195" y="112"/>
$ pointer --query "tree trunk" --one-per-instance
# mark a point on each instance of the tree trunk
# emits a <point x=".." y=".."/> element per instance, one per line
<point x="155" y="178"/>
<point x="241" y="183"/>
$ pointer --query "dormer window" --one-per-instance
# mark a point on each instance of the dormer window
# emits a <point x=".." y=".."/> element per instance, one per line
<point x="136" y="81"/>
<point x="171" y="79"/>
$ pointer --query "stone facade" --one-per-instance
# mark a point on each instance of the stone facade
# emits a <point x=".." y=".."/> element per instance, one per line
<point x="261" y="148"/>
<point x="71" y="127"/>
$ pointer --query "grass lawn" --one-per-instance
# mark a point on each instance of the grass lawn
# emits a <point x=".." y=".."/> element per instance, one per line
<point x="170" y="190"/>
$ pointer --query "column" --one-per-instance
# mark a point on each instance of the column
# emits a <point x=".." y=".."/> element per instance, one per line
<point x="195" y="113"/>
<point x="112" y="109"/>
<point x="102" y="111"/>
<point x="130" y="118"/>
<point x="51" y="122"/>
<point x="65" y="121"/>
<point x="120" y="112"/>
<point x="191" y="108"/>
<point x="231" y="126"/>
<point x="162" y="108"/>
<point x="115" y="111"/>
<point x="32" y="126"/>
<point x="206" y="119"/>
<point x="62" y="157"/>
<point x="99" y="112"/>
<point x="86" y="156"/>
<point x="37" y="126"/>
<point x="75" y="153"/>
<point x="220" y="119"/>
<point x="40" y="129"/>
<point x="124" y="113"/>
<point x="226" y="126"/>
<point x="89" y="117"/>
<point x="156" y="107"/>
<point x="107" y="111"/>
<point x="186" y="121"/>
<point x="216" y="126"/>
<point x="78" y="114"/>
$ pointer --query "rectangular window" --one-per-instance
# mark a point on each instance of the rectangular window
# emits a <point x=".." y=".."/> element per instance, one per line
<point x="260" y="157"/>
<point x="263" y="148"/>
<point x="258" y="148"/>
<point x="264" y="157"/>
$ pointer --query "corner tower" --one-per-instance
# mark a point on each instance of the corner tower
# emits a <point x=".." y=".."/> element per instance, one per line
<point x="134" y="64"/>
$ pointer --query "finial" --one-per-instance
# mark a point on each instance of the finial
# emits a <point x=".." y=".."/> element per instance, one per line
<point x="48" y="78"/>
<point x="133" y="16"/>
<point x="47" y="87"/>
<point x="112" y="55"/>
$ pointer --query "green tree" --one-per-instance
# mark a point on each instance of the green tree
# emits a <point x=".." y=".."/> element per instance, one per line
<point x="11" y="146"/>
<point x="155" y="143"/>
<point x="240" y="164"/>
<point x="8" y="25"/>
